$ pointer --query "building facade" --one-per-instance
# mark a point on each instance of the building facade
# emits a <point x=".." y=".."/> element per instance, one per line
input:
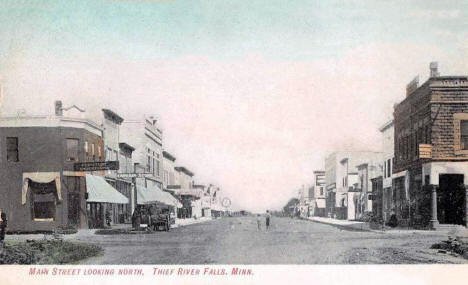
<point x="318" y="203"/>
<point x="147" y="139"/>
<point x="121" y="152"/>
<point x="40" y="189"/>
<point x="341" y="175"/>
<point x="431" y="152"/>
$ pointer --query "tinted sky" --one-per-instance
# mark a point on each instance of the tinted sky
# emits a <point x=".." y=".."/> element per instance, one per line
<point x="251" y="94"/>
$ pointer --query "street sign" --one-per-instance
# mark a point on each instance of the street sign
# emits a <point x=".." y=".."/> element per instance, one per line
<point x="133" y="175"/>
<point x="96" y="165"/>
<point x="226" y="202"/>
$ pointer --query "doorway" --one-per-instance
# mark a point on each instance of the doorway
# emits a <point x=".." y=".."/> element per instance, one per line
<point x="74" y="202"/>
<point x="451" y="199"/>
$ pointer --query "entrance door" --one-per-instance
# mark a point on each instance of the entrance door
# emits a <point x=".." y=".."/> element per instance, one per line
<point x="451" y="199"/>
<point x="74" y="209"/>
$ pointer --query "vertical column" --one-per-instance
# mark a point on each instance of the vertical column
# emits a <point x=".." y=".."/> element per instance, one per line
<point x="466" y="205"/>
<point x="433" y="222"/>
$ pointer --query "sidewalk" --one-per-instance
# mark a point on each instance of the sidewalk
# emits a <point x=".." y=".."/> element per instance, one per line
<point x="345" y="224"/>
<point x="364" y="226"/>
<point x="191" y="221"/>
<point x="84" y="234"/>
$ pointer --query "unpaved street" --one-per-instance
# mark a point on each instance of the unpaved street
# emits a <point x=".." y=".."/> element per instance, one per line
<point x="289" y="241"/>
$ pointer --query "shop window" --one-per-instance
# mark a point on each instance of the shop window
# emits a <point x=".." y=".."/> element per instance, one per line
<point x="93" y="152"/>
<point x="464" y="134"/>
<point x="12" y="149"/>
<point x="43" y="201"/>
<point x="72" y="149"/>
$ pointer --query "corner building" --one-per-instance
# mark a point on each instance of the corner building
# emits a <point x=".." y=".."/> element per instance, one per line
<point x="430" y="179"/>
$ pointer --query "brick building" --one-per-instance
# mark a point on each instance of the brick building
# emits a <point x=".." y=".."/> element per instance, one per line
<point x="431" y="152"/>
<point x="40" y="189"/>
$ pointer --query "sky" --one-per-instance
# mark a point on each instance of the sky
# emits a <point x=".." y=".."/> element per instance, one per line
<point x="251" y="95"/>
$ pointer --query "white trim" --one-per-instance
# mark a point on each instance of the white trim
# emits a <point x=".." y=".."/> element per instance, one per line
<point x="434" y="169"/>
<point x="50" y="122"/>
<point x="399" y="174"/>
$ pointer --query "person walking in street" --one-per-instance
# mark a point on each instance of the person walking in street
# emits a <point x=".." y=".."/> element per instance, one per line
<point x="259" y="223"/>
<point x="267" y="219"/>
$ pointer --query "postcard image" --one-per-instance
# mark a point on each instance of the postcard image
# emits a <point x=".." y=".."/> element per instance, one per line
<point x="227" y="142"/>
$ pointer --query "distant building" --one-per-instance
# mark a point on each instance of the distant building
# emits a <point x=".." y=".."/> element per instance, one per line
<point x="372" y="168"/>
<point x="383" y="204"/>
<point x="340" y="175"/>
<point x="431" y="152"/>
<point x="318" y="201"/>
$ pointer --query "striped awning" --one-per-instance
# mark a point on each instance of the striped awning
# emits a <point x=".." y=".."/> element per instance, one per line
<point x="102" y="192"/>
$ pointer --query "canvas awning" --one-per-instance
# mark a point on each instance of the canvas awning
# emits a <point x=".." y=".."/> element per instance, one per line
<point x="153" y="195"/>
<point x="40" y="177"/>
<point x="320" y="203"/>
<point x="102" y="192"/>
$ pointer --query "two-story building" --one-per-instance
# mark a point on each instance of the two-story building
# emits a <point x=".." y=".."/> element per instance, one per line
<point x="383" y="205"/>
<point x="40" y="188"/>
<point x="116" y="150"/>
<point x="318" y="202"/>
<point x="341" y="176"/>
<point x="431" y="152"/>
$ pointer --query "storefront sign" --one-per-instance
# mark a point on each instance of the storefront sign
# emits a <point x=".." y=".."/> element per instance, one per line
<point x="425" y="151"/>
<point x="96" y="165"/>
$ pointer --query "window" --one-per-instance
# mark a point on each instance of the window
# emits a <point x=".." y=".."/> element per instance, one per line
<point x="157" y="167"/>
<point x="93" y="151"/>
<point x="389" y="168"/>
<point x="99" y="150"/>
<point x="12" y="149"/>
<point x="72" y="149"/>
<point x="148" y="164"/>
<point x="321" y="191"/>
<point x="43" y="201"/>
<point x="86" y="148"/>
<point x="385" y="169"/>
<point x="464" y="134"/>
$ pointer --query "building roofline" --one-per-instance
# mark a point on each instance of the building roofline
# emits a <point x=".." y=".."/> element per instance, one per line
<point x="126" y="145"/>
<point x="184" y="170"/>
<point x="169" y="156"/>
<point x="386" y="126"/>
<point x="116" y="118"/>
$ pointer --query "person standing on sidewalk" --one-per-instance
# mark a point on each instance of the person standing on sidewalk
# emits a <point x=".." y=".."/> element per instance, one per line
<point x="259" y="224"/>
<point x="267" y="219"/>
<point x="3" y="225"/>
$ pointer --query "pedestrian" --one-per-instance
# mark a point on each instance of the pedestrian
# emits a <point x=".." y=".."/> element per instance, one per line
<point x="3" y="225"/>
<point x="259" y="223"/>
<point x="267" y="219"/>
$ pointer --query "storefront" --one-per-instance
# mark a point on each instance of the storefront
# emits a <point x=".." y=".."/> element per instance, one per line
<point x="101" y="198"/>
<point x="156" y="198"/>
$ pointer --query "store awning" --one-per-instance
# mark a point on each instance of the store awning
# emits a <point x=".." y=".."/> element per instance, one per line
<point x="153" y="195"/>
<point x="40" y="177"/>
<point x="320" y="203"/>
<point x="102" y="192"/>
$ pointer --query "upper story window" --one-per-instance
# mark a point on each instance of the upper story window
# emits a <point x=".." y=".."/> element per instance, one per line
<point x="389" y="168"/>
<point x="86" y="147"/>
<point x="464" y="134"/>
<point x="99" y="150"/>
<point x="321" y="191"/>
<point x="12" y="149"/>
<point x="72" y="149"/>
